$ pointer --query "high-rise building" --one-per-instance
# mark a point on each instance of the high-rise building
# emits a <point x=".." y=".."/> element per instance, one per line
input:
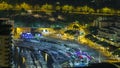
<point x="5" y="42"/>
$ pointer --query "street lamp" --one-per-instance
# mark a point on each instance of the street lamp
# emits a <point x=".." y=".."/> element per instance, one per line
<point x="117" y="57"/>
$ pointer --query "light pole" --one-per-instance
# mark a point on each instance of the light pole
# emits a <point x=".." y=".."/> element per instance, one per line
<point x="99" y="58"/>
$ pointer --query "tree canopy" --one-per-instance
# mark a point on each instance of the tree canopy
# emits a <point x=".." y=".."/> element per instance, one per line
<point x="91" y="3"/>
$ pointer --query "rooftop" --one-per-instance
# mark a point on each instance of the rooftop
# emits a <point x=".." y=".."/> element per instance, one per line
<point x="107" y="31"/>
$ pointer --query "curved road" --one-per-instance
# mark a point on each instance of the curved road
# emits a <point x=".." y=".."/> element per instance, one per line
<point x="95" y="53"/>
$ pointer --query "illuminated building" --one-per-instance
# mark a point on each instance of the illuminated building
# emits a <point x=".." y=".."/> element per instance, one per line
<point x="6" y="45"/>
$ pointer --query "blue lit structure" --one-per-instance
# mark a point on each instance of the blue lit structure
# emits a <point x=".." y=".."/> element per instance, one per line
<point x="26" y="36"/>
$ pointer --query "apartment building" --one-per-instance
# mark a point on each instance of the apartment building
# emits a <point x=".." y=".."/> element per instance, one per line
<point x="110" y="30"/>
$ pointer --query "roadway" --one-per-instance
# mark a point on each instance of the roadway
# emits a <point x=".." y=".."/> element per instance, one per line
<point x="93" y="52"/>
<point x="30" y="53"/>
<point x="85" y="13"/>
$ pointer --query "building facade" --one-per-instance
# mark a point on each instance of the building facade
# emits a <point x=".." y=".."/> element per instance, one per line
<point x="110" y="30"/>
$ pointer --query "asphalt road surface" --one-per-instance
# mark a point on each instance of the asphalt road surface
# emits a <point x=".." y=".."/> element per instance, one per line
<point x="30" y="56"/>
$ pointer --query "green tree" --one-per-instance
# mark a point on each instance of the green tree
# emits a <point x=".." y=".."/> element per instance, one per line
<point x="17" y="7"/>
<point x="5" y="6"/>
<point x="46" y="7"/>
<point x="36" y="7"/>
<point x="58" y="8"/>
<point x="117" y="52"/>
<point x="71" y="32"/>
<point x="67" y="8"/>
<point x="118" y="11"/>
<point x="57" y="29"/>
<point x="106" y="10"/>
<point x="91" y="10"/>
<point x="78" y="9"/>
<point x="87" y="9"/>
<point x="75" y="27"/>
<point x="25" y="6"/>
